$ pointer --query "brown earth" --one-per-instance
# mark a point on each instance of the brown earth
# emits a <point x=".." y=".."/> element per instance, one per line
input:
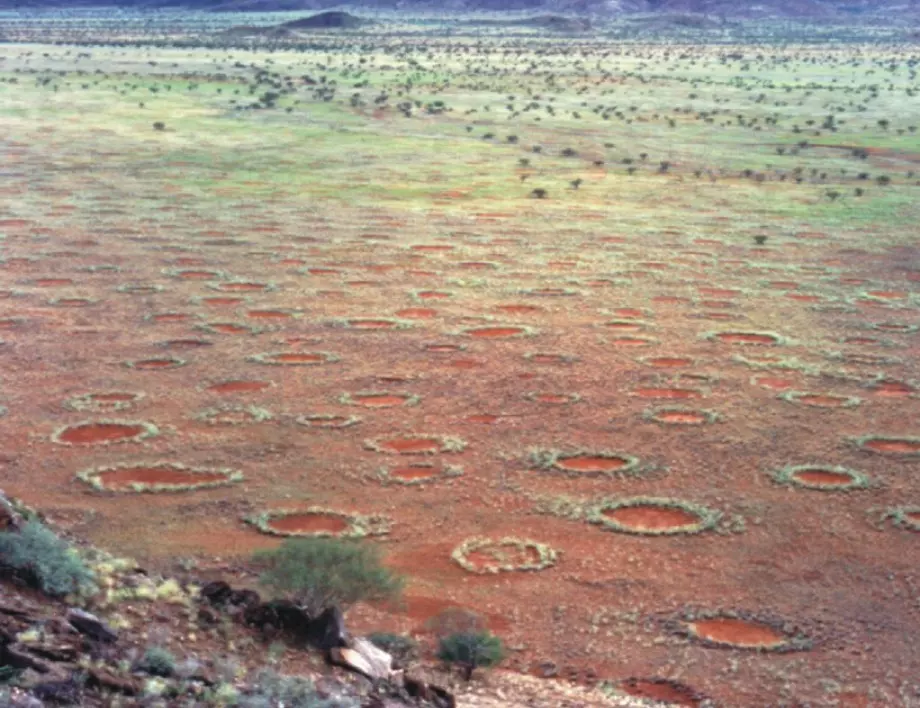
<point x="607" y="610"/>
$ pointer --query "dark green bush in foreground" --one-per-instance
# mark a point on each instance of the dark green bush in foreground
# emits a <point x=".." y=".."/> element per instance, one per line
<point x="44" y="559"/>
<point x="317" y="573"/>
<point x="471" y="650"/>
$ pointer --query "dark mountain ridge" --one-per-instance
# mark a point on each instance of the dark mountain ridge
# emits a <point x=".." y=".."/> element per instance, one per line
<point x="889" y="10"/>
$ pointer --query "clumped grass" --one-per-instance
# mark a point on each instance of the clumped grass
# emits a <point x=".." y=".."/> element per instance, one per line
<point x="45" y="559"/>
<point x="272" y="690"/>
<point x="507" y="554"/>
<point x="158" y="661"/>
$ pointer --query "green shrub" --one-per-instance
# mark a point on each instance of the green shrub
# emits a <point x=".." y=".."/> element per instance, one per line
<point x="273" y="690"/>
<point x="45" y="559"/>
<point x="470" y="650"/>
<point x="157" y="661"/>
<point x="317" y="573"/>
<point x="401" y="647"/>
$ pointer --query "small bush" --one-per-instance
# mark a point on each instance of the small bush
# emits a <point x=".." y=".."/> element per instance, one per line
<point x="401" y="647"/>
<point x="45" y="560"/>
<point x="292" y="692"/>
<point x="317" y="573"/>
<point x="157" y="661"/>
<point x="471" y="650"/>
<point x="159" y="125"/>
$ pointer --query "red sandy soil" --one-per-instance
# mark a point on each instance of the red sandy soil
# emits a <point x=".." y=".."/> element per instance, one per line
<point x="811" y="558"/>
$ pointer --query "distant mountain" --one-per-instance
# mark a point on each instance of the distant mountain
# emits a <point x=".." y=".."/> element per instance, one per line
<point x="814" y="9"/>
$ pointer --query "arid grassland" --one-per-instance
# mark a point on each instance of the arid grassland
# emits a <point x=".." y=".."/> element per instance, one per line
<point x="611" y="337"/>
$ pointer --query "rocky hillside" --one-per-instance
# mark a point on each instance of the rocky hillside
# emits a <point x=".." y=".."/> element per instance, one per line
<point x="79" y="627"/>
<point x="810" y="9"/>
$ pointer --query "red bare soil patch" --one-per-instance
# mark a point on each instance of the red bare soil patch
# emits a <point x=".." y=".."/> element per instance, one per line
<point x="414" y="473"/>
<point x="153" y="364"/>
<point x="269" y="314"/>
<point x="819" y="477"/>
<point x="592" y="463"/>
<point x="820" y="400"/>
<point x="409" y="446"/>
<point x="669" y="393"/>
<point x="93" y="433"/>
<point x="737" y="632"/>
<point x="379" y="400"/>
<point x="892" y="445"/>
<point x="239" y="386"/>
<point x="308" y="523"/>
<point x="651" y="517"/>
<point x="681" y="417"/>
<point x="421" y="313"/>
<point x="661" y="690"/>
<point x="894" y="389"/>
<point x="495" y="332"/>
<point x="298" y="358"/>
<point x="518" y="309"/>
<point x="216" y="301"/>
<point x="668" y="362"/>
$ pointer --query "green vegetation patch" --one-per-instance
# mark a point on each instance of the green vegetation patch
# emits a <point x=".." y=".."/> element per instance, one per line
<point x="550" y="398"/>
<point x="827" y="478"/>
<point x="489" y="556"/>
<point x="45" y="560"/>
<point x="820" y="400"/>
<point x="550" y="358"/>
<point x="139" y="288"/>
<point x="157" y="477"/>
<point x="327" y="420"/>
<point x="156" y="363"/>
<point x="903" y="517"/>
<point x="745" y="338"/>
<point x="379" y="399"/>
<point x="676" y="415"/>
<point x="370" y="324"/>
<point x="415" y="444"/>
<point x="418" y="473"/>
<point x="294" y="358"/>
<point x="233" y="415"/>
<point x="195" y="274"/>
<point x="104" y="401"/>
<point x="321" y="522"/>
<point x="653" y="516"/>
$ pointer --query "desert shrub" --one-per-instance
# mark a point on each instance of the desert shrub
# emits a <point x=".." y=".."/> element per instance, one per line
<point x="273" y="690"/>
<point x="159" y="125"/>
<point x="401" y="647"/>
<point x="470" y="650"/>
<point x="317" y="573"/>
<point x="44" y="559"/>
<point x="158" y="661"/>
